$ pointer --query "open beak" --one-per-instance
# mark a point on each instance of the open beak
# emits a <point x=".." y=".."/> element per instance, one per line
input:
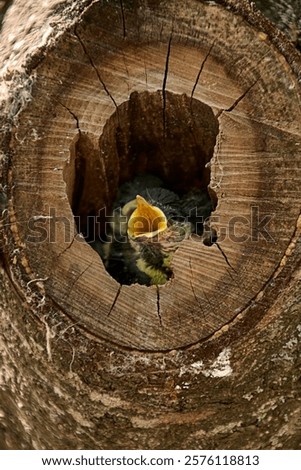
<point x="146" y="220"/>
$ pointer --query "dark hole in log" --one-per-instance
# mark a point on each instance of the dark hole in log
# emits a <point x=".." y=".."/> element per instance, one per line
<point x="151" y="140"/>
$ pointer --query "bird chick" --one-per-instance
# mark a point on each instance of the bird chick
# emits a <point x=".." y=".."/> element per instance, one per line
<point x="147" y="226"/>
<point x="154" y="239"/>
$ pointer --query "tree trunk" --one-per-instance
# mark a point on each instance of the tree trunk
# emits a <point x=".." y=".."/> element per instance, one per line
<point x="198" y="93"/>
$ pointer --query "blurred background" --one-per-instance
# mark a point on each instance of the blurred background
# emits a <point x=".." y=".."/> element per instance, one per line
<point x="285" y="14"/>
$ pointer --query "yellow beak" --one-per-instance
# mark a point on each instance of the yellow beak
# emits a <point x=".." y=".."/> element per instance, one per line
<point x="146" y="220"/>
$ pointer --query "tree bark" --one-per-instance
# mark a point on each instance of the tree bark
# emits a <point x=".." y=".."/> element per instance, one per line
<point x="93" y="93"/>
<point x="285" y="15"/>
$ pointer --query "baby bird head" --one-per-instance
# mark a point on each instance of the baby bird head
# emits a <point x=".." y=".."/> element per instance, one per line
<point x="150" y="230"/>
<point x="146" y="221"/>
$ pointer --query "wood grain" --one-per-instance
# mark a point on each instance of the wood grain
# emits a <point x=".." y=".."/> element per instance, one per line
<point x="79" y="86"/>
<point x="190" y="363"/>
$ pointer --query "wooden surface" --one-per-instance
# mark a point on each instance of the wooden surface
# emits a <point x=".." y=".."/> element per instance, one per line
<point x="234" y="307"/>
<point x="76" y="89"/>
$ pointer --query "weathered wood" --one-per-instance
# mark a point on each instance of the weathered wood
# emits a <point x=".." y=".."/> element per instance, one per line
<point x="286" y="15"/>
<point x="80" y="347"/>
<point x="210" y="286"/>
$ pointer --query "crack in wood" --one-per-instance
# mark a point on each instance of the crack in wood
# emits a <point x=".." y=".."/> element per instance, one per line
<point x="237" y="101"/>
<point x="79" y="276"/>
<point x="145" y="72"/>
<point x="204" y="294"/>
<point x="165" y="81"/>
<point x="200" y="72"/>
<point x="123" y="19"/>
<point x="158" y="306"/>
<point x="115" y="300"/>
<point x="72" y="114"/>
<point x="101" y="81"/>
<point x="225" y="256"/>
<point x="67" y="248"/>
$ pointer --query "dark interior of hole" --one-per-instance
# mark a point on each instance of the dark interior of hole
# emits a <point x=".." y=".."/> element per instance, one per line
<point x="170" y="137"/>
<point x="174" y="141"/>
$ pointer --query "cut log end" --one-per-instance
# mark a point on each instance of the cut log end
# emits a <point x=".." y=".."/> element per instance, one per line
<point x="194" y="103"/>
